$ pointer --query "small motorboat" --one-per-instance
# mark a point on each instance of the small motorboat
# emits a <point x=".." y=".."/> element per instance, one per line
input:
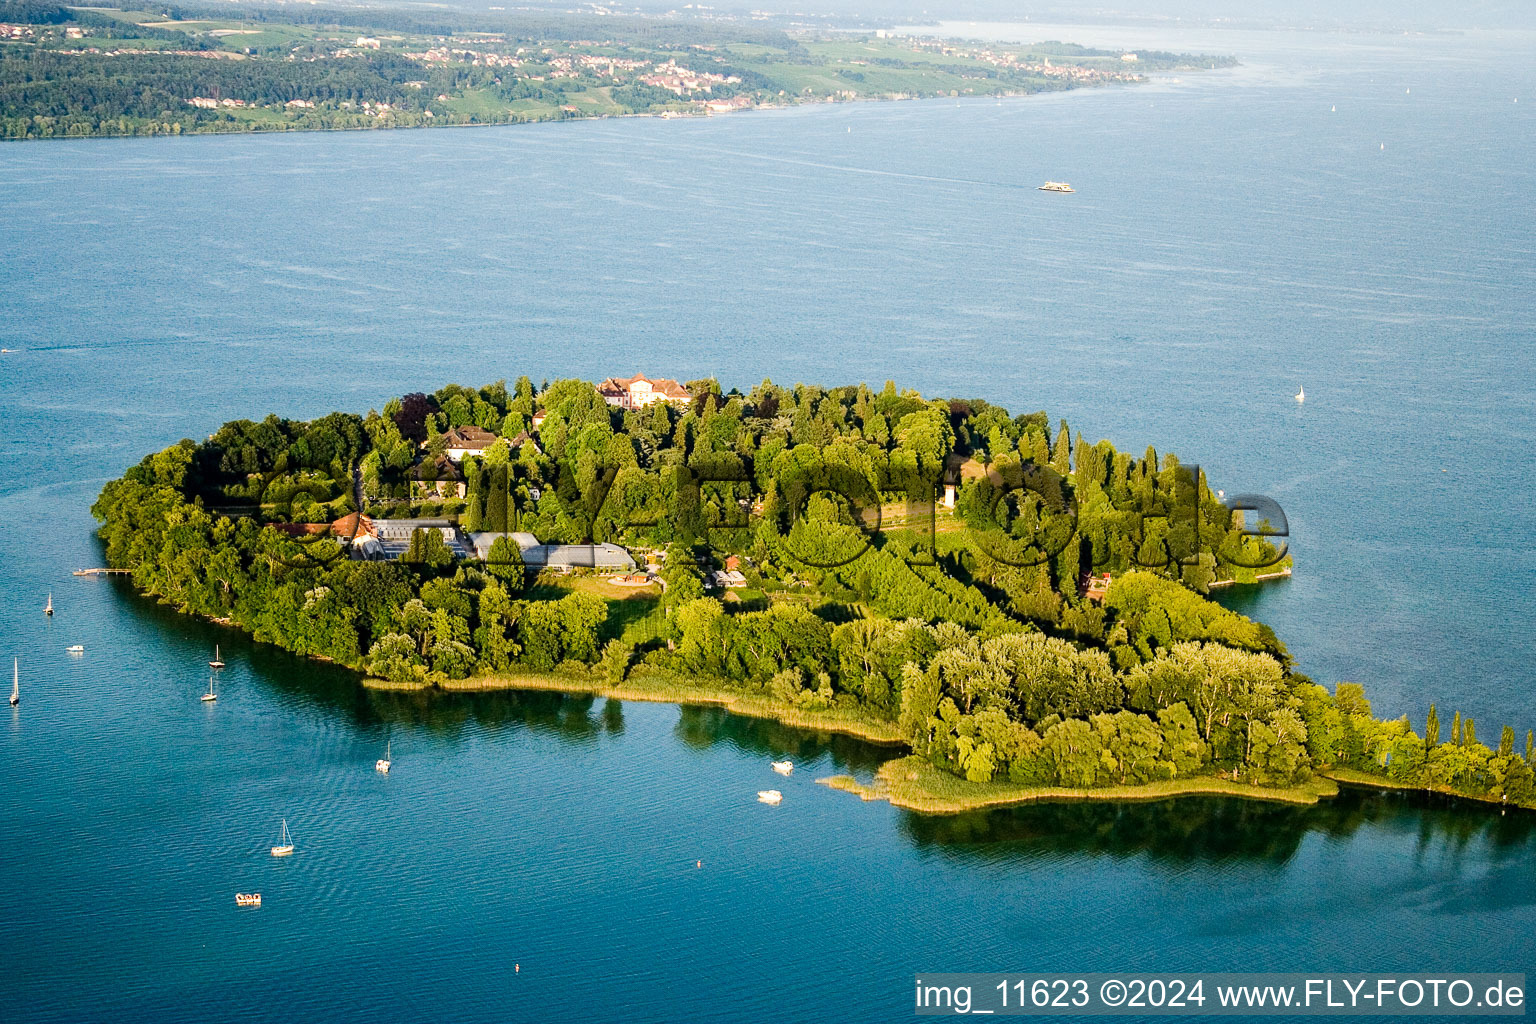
<point x="382" y="764"/>
<point x="15" y="683"/>
<point x="247" y="899"/>
<point x="77" y="649"/>
<point x="783" y="767"/>
<point x="284" y="845"/>
<point x="769" y="796"/>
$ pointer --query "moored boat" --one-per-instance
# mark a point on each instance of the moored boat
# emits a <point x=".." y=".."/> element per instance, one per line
<point x="217" y="662"/>
<point x="247" y="899"/>
<point x="383" y="763"/>
<point x="783" y="767"/>
<point x="213" y="693"/>
<point x="769" y="796"/>
<point x="284" y="845"/>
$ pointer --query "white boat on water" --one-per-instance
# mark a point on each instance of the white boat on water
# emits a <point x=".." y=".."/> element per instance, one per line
<point x="15" y="682"/>
<point x="783" y="767"/>
<point x="247" y="899"/>
<point x="1301" y="396"/>
<point x="217" y="661"/>
<point x="383" y="763"/>
<point x="1056" y="186"/>
<point x="769" y="796"/>
<point x="76" y="649"/>
<point x="48" y="608"/>
<point x="213" y="693"/>
<point x="284" y="845"/>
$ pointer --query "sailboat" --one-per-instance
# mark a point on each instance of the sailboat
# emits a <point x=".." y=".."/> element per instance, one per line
<point x="1301" y="396"/>
<point x="382" y="764"/>
<point x="217" y="662"/>
<point x="48" y="608"/>
<point x="284" y="845"/>
<point x="212" y="694"/>
<point x="15" y="682"/>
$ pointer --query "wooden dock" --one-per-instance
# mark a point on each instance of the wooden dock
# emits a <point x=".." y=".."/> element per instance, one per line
<point x="103" y="572"/>
<point x="1282" y="574"/>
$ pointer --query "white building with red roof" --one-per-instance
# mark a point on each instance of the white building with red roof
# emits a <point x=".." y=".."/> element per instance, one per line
<point x="639" y="391"/>
<point x="468" y="440"/>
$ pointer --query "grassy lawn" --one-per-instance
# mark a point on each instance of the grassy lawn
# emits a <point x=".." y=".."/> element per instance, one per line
<point x="594" y="101"/>
<point x="552" y="586"/>
<point x="257" y="115"/>
<point x="633" y="612"/>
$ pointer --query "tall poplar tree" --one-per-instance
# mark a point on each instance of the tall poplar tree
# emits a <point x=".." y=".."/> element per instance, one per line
<point x="1061" y="460"/>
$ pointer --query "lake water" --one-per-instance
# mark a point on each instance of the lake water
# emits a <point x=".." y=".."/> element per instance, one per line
<point x="1232" y="238"/>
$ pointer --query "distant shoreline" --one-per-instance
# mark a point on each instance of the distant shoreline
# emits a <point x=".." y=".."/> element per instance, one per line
<point x="691" y="115"/>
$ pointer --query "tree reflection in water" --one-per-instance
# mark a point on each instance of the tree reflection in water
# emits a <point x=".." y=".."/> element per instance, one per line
<point x="1217" y="829"/>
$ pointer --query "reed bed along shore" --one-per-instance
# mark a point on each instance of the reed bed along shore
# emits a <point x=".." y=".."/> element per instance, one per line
<point x="915" y="785"/>
<point x="665" y="688"/>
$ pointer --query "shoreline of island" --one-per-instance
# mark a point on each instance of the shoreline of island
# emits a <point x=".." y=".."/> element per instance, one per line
<point x="910" y="782"/>
<point x="660" y="688"/>
<point x="913" y="784"/>
<point x="1089" y="679"/>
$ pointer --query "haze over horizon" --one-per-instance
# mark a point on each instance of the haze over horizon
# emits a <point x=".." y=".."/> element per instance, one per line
<point x="1391" y="15"/>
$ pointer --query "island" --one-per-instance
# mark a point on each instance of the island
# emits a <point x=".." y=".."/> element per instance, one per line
<point x="1019" y="612"/>
<point x="146" y="69"/>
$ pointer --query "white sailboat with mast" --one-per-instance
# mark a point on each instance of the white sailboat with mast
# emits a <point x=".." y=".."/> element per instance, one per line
<point x="15" y="682"/>
<point x="284" y="845"/>
<point x="213" y="693"/>
<point x="217" y="661"/>
<point x="382" y="764"/>
<point x="48" y="608"/>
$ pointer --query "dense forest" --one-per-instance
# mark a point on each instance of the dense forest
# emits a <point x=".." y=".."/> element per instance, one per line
<point x="972" y="631"/>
